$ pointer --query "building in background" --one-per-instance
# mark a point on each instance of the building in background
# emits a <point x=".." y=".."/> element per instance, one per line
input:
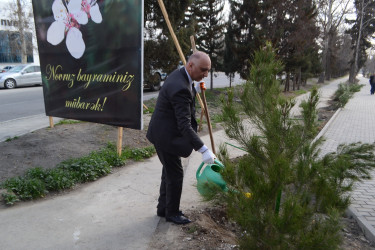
<point x="10" y="52"/>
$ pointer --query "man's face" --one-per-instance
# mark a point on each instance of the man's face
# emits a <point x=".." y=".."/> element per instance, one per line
<point x="199" y="68"/>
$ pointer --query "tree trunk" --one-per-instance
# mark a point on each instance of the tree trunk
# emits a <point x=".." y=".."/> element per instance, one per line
<point x="354" y="69"/>
<point x="352" y="74"/>
<point x="287" y="83"/>
<point x="299" y="76"/>
<point x="21" y="30"/>
<point x="326" y="43"/>
<point x="328" y="73"/>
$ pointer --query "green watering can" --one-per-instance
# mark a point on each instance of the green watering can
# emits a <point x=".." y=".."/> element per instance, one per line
<point x="210" y="177"/>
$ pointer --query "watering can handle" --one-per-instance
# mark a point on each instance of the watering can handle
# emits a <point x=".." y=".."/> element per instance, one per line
<point x="199" y="170"/>
<point x="200" y="167"/>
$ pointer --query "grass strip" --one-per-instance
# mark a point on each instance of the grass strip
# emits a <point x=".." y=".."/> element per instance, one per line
<point x="38" y="182"/>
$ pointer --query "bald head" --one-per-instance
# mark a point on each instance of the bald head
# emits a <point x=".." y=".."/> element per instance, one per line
<point x="198" y="65"/>
<point x="198" y="55"/>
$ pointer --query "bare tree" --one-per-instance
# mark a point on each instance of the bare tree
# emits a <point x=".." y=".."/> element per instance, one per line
<point x="21" y="32"/>
<point x="369" y="67"/>
<point x="343" y="54"/>
<point x="331" y="16"/>
<point x="361" y="31"/>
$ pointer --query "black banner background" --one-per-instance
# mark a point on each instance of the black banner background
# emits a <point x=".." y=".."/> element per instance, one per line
<point x="104" y="84"/>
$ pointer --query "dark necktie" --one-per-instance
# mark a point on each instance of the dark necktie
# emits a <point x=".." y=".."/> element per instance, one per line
<point x="194" y="91"/>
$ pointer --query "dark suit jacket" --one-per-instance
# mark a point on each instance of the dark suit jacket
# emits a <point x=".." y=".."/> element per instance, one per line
<point x="173" y="126"/>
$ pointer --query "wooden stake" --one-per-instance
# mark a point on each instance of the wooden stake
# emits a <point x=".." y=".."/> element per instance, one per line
<point x="200" y="101"/>
<point x="193" y="44"/>
<point x="201" y="120"/>
<point x="119" y="140"/>
<point x="51" y="125"/>
<point x="208" y="117"/>
<point x="165" y="14"/>
<point x="194" y="48"/>
<point x="182" y="57"/>
<point x="145" y="106"/>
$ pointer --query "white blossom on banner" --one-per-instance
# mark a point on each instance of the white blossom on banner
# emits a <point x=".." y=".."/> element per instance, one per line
<point x="69" y="16"/>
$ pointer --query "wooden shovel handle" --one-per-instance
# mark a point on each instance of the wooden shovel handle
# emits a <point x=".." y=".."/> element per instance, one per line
<point x="207" y="116"/>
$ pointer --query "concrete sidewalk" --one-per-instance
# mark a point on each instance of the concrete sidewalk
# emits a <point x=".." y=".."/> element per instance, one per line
<point x="325" y="94"/>
<point x="356" y="123"/>
<point x="21" y="126"/>
<point x="353" y="123"/>
<point x="115" y="212"/>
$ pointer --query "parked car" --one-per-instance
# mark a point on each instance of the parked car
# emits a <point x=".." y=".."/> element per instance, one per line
<point x="6" y="68"/>
<point x="163" y="75"/>
<point x="21" y="75"/>
<point x="180" y="65"/>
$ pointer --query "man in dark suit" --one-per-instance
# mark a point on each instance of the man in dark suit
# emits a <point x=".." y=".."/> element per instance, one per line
<point x="372" y="83"/>
<point x="173" y="131"/>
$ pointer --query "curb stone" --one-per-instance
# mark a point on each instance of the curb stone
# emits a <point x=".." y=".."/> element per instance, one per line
<point x="326" y="126"/>
<point x="366" y="227"/>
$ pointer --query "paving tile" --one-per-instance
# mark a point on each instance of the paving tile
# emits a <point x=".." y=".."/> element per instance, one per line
<point x="362" y="213"/>
<point x="370" y="218"/>
<point x="368" y="206"/>
<point x="354" y="123"/>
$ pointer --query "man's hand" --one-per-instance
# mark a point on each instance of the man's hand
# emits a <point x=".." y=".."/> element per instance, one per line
<point x="207" y="156"/>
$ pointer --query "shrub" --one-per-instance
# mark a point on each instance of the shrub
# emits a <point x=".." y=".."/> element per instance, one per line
<point x="109" y="153"/>
<point x="297" y="195"/>
<point x="149" y="110"/>
<point x="10" y="198"/>
<point x="57" y="179"/>
<point x="26" y="188"/>
<point x="37" y="173"/>
<point x="138" y="154"/>
<point x="345" y="92"/>
<point x="86" y="168"/>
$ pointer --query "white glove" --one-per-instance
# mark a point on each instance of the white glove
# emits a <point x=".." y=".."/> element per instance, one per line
<point x="198" y="86"/>
<point x="207" y="156"/>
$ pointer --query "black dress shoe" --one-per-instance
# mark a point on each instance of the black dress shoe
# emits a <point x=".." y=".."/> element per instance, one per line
<point x="178" y="219"/>
<point x="162" y="213"/>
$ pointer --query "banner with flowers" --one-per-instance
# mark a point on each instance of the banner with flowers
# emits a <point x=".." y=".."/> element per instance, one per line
<point x="91" y="59"/>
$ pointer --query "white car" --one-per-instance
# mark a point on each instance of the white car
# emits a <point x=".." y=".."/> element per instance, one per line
<point x="154" y="80"/>
<point x="21" y="75"/>
<point x="6" y="68"/>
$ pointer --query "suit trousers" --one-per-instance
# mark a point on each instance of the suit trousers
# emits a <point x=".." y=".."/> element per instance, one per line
<point x="171" y="183"/>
